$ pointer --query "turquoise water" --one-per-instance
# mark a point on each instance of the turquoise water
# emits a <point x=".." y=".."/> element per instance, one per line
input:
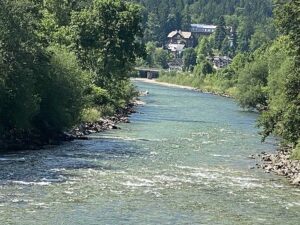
<point x="183" y="159"/>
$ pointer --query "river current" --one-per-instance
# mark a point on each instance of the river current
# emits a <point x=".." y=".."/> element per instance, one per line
<point x="183" y="159"/>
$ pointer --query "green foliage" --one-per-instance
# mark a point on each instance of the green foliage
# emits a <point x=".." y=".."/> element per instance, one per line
<point x="203" y="68"/>
<point x="205" y="47"/>
<point x="283" y="116"/>
<point x="106" y="39"/>
<point x="220" y="33"/>
<point x="161" y="58"/>
<point x="296" y="152"/>
<point x="96" y="96"/>
<point x="226" y="48"/>
<point x="90" y="115"/>
<point x="64" y="61"/>
<point x="189" y="59"/>
<point x="152" y="28"/>
<point x="263" y="35"/>
<point x="61" y="93"/>
<point x="22" y="63"/>
<point x="287" y="18"/>
<point x="252" y="84"/>
<point x="150" y="52"/>
<point x="155" y="57"/>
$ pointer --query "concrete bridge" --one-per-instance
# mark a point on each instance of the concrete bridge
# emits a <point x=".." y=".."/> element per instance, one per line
<point x="149" y="73"/>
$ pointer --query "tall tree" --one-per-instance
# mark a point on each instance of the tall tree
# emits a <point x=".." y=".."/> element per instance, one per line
<point x="189" y="59"/>
<point x="283" y="116"/>
<point x="107" y="39"/>
<point x="152" y="28"/>
<point x="220" y="33"/>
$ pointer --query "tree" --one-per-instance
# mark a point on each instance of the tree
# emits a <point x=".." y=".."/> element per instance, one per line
<point x="234" y="39"/>
<point x="203" y="67"/>
<point x="204" y="47"/>
<point x="106" y="39"/>
<point x="186" y="20"/>
<point x="245" y="31"/>
<point x="22" y="62"/>
<point x="189" y="59"/>
<point x="42" y="88"/>
<point x="252" y="85"/>
<point x="283" y="118"/>
<point x="263" y="35"/>
<point x="150" y="51"/>
<point x="227" y="47"/>
<point x="161" y="58"/>
<point x="152" y="28"/>
<point x="220" y="33"/>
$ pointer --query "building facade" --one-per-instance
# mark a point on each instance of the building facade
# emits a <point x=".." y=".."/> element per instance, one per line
<point x="202" y="29"/>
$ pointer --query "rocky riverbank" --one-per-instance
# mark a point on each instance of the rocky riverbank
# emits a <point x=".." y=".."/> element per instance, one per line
<point x="281" y="164"/>
<point x="33" y="141"/>
<point x="106" y="123"/>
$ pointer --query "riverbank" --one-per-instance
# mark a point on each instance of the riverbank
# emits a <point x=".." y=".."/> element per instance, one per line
<point x="33" y="141"/>
<point x="282" y="164"/>
<point x="155" y="81"/>
<point x="106" y="123"/>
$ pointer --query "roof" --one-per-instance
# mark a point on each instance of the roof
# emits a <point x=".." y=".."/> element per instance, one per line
<point x="184" y="34"/>
<point x="176" y="47"/>
<point x="203" y="26"/>
<point x="222" y="58"/>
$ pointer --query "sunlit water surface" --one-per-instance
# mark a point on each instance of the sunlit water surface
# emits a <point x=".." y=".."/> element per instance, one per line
<point x="183" y="159"/>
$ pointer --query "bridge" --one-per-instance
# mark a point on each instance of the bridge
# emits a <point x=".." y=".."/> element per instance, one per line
<point x="149" y="73"/>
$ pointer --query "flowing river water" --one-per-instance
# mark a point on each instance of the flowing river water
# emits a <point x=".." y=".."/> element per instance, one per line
<point x="183" y="159"/>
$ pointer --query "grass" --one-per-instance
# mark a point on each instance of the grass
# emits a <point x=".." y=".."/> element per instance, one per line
<point x="296" y="153"/>
<point x="212" y="83"/>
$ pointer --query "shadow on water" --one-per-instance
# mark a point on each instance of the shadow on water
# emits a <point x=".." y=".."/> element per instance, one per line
<point x="56" y="164"/>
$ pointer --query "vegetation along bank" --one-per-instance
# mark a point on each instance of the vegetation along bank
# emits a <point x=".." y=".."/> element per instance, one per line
<point x="64" y="63"/>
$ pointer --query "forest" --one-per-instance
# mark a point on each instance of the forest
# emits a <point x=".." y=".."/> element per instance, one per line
<point x="63" y="62"/>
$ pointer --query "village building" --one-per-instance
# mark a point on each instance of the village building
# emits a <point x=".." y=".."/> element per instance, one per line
<point x="179" y="40"/>
<point x="175" y="64"/>
<point x="220" y="62"/>
<point x="202" y="29"/>
<point x="181" y="37"/>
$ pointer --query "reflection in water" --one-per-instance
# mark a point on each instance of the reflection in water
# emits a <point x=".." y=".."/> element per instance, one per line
<point x="182" y="160"/>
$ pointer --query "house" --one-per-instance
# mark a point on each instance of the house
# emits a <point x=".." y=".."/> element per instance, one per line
<point x="202" y="29"/>
<point x="181" y="37"/>
<point x="176" y="49"/>
<point x="221" y="61"/>
<point x="179" y="40"/>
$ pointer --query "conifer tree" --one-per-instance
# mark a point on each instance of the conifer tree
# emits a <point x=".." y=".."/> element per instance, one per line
<point x="220" y="33"/>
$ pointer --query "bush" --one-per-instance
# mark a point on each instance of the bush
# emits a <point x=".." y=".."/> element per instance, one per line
<point x="296" y="152"/>
<point x="252" y="85"/>
<point x="90" y="115"/>
<point x="61" y="92"/>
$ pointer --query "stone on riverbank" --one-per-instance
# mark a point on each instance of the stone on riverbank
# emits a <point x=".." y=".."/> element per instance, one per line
<point x="106" y="123"/>
<point x="281" y="164"/>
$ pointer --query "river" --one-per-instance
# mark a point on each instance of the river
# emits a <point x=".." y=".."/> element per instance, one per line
<point x="183" y="159"/>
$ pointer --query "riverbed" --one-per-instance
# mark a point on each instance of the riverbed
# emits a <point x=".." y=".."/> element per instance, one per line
<point x="183" y="159"/>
